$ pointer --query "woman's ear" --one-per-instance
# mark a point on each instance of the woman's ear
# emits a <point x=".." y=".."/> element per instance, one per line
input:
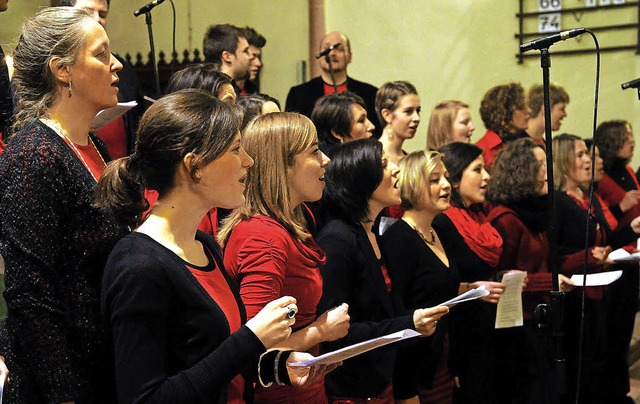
<point x="386" y="115"/>
<point x="188" y="168"/>
<point x="335" y="135"/>
<point x="60" y="71"/>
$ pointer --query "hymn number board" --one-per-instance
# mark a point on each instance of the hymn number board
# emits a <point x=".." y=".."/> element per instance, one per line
<point x="550" y="20"/>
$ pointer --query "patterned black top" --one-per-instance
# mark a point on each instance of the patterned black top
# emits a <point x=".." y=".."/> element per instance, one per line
<point x="55" y="245"/>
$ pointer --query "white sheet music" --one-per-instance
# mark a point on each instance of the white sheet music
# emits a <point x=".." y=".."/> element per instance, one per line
<point x="472" y="294"/>
<point x="357" y="349"/>
<point x="599" y="279"/>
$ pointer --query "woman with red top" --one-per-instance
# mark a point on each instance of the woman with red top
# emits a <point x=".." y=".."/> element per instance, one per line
<point x="620" y="191"/>
<point x="178" y="325"/>
<point x="361" y="181"/>
<point x="505" y="114"/>
<point x="269" y="251"/>
<point x="53" y="241"/>
<point x="465" y="230"/>
<point x="572" y="168"/>
<point x="203" y="77"/>
<point x="518" y="189"/>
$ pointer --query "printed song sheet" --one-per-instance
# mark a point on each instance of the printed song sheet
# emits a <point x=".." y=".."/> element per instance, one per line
<point x="509" y="312"/>
<point x="357" y="349"/>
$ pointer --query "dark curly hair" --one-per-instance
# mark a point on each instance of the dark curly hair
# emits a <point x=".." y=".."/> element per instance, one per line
<point x="610" y="137"/>
<point x="513" y="177"/>
<point x="498" y="104"/>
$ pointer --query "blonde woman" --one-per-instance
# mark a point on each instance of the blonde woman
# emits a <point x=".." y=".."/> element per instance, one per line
<point x="450" y="121"/>
<point x="423" y="272"/>
<point x="269" y="251"/>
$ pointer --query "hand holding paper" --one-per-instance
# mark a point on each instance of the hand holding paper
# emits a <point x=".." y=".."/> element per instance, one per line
<point x="472" y="294"/>
<point x="599" y="279"/>
<point x="356" y="349"/>
<point x="621" y="255"/>
<point x="509" y="312"/>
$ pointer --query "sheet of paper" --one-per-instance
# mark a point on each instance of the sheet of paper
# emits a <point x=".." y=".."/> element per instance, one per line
<point x="509" y="311"/>
<point x="621" y="255"/>
<point x="357" y="349"/>
<point x="600" y="279"/>
<point x="472" y="294"/>
<point x="107" y="115"/>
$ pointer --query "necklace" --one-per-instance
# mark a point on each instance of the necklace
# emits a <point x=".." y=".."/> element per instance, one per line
<point x="433" y="235"/>
<point x="55" y="126"/>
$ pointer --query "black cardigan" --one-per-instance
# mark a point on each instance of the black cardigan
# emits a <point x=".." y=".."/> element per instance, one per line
<point x="352" y="275"/>
<point x="172" y="342"/>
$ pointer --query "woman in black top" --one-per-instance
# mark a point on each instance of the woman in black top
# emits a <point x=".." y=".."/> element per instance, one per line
<point x="361" y="181"/>
<point x="423" y="273"/>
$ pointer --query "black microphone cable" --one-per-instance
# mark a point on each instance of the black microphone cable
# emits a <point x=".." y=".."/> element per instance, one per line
<point x="588" y="222"/>
<point x="174" y="52"/>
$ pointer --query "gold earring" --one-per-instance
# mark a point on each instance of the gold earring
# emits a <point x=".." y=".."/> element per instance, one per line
<point x="70" y="89"/>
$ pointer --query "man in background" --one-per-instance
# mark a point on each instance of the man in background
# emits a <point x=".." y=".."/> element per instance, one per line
<point x="251" y="84"/>
<point x="119" y="134"/>
<point x="302" y="97"/>
<point x="226" y="46"/>
<point x="558" y="99"/>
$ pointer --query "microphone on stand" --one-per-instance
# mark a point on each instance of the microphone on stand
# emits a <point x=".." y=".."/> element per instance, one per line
<point x="631" y="84"/>
<point x="147" y="8"/>
<point x="547" y="41"/>
<point x="326" y="51"/>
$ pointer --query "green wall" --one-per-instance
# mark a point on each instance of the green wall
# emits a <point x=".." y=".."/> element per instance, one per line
<point x="454" y="49"/>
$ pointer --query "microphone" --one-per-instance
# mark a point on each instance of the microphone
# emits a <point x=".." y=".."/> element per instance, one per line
<point x="147" y="8"/>
<point x="547" y="41"/>
<point x="631" y="84"/>
<point x="326" y="51"/>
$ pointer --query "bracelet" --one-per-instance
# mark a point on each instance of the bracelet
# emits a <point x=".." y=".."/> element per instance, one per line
<point x="259" y="377"/>
<point x="283" y="373"/>
<point x="275" y="368"/>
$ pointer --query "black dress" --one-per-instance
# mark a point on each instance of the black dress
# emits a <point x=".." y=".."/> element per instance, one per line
<point x="472" y="352"/>
<point x="422" y="280"/>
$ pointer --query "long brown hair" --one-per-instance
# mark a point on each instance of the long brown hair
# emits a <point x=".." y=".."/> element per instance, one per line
<point x="187" y="121"/>
<point x="273" y="140"/>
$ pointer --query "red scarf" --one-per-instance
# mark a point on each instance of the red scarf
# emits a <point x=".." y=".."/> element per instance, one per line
<point x="482" y="238"/>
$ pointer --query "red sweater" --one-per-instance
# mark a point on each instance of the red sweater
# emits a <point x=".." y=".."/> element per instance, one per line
<point x="612" y="193"/>
<point x="525" y="251"/>
<point x="268" y="263"/>
<point x="491" y="143"/>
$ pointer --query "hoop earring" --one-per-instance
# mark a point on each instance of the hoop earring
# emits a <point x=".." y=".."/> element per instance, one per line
<point x="70" y="89"/>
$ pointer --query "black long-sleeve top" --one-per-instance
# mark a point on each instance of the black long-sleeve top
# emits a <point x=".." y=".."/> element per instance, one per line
<point x="172" y="342"/>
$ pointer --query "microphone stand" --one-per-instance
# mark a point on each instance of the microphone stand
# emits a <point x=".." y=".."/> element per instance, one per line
<point x="553" y="313"/>
<point x="333" y="78"/>
<point x="153" y="54"/>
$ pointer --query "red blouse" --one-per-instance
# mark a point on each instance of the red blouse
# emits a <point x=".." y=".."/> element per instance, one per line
<point x="268" y="263"/>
